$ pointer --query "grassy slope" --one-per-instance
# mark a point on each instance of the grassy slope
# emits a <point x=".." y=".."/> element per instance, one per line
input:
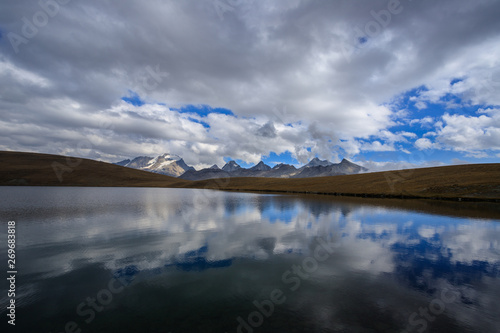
<point x="478" y="181"/>
<point x="32" y="169"/>
<point x="460" y="181"/>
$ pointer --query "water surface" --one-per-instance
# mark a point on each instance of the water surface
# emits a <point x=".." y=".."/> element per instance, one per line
<point x="184" y="260"/>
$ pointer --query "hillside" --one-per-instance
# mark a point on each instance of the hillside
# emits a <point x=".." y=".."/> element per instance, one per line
<point x="31" y="169"/>
<point x="467" y="182"/>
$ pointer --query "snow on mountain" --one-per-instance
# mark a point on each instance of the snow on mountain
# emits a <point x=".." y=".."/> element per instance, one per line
<point x="167" y="164"/>
<point x="174" y="165"/>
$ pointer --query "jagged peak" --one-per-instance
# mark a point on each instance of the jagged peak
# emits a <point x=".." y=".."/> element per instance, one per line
<point x="281" y="165"/>
<point x="231" y="166"/>
<point x="261" y="166"/>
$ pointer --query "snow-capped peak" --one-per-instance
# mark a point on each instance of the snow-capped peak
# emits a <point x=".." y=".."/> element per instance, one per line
<point x="168" y="164"/>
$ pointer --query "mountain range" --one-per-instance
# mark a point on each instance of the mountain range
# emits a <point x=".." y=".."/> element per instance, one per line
<point x="173" y="165"/>
<point x="468" y="182"/>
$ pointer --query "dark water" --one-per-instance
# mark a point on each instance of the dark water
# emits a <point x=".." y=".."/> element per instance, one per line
<point x="172" y="260"/>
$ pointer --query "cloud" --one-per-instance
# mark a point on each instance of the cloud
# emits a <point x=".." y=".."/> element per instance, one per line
<point x="423" y="143"/>
<point x="377" y="146"/>
<point x="420" y="105"/>
<point x="471" y="134"/>
<point x="267" y="130"/>
<point x="423" y="122"/>
<point x="408" y="163"/>
<point x="259" y="58"/>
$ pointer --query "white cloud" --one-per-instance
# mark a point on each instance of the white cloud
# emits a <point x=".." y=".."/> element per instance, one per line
<point x="423" y="143"/>
<point x="471" y="134"/>
<point x="423" y="122"/>
<point x="16" y="74"/>
<point x="421" y="105"/>
<point x="408" y="162"/>
<point x="377" y="146"/>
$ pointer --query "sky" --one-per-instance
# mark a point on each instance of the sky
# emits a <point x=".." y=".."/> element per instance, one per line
<point x="386" y="84"/>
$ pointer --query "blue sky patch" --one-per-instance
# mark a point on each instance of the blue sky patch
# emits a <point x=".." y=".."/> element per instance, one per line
<point x="454" y="81"/>
<point x="280" y="212"/>
<point x="202" y="110"/>
<point x="274" y="159"/>
<point x="133" y="98"/>
<point x="206" y="125"/>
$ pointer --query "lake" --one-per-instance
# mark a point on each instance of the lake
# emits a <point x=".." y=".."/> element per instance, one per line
<point x="186" y="260"/>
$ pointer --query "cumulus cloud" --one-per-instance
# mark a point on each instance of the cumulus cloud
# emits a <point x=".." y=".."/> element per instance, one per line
<point x="377" y="146"/>
<point x="423" y="143"/>
<point x="471" y="134"/>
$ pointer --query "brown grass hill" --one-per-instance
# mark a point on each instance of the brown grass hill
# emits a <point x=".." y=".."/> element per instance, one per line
<point x="477" y="182"/>
<point x="32" y="169"/>
<point x="460" y="182"/>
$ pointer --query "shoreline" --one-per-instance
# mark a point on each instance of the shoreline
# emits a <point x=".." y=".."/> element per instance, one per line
<point x="460" y="183"/>
<point x="262" y="191"/>
<point x="364" y="195"/>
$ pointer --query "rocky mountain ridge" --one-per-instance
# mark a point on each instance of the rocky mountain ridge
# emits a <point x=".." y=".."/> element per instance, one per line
<point x="174" y="165"/>
<point x="315" y="168"/>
